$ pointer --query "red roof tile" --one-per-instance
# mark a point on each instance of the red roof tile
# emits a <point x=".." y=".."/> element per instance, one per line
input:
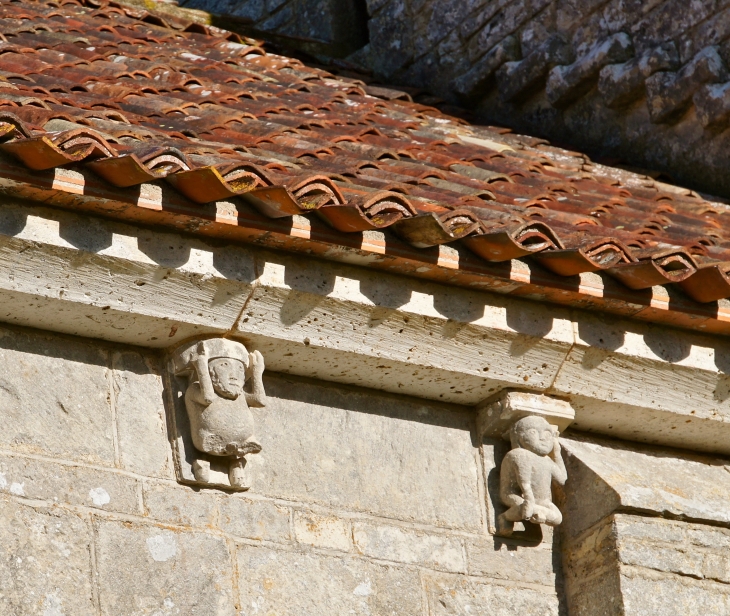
<point x="136" y="97"/>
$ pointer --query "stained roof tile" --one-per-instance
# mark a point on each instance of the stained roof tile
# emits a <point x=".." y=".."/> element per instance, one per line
<point x="137" y="97"/>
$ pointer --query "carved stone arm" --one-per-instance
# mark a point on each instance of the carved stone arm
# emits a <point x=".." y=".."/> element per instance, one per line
<point x="257" y="395"/>
<point x="201" y="368"/>
<point x="560" y="474"/>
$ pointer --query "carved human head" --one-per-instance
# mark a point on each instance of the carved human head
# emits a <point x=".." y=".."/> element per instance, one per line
<point x="227" y="363"/>
<point x="534" y="434"/>
<point x="228" y="376"/>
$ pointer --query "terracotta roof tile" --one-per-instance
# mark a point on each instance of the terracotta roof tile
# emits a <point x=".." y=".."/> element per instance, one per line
<point x="137" y="97"/>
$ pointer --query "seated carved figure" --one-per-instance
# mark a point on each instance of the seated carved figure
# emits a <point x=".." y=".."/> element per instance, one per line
<point x="221" y="421"/>
<point x="527" y="473"/>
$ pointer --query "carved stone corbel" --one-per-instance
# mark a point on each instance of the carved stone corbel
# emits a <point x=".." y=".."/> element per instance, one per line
<point x="214" y="383"/>
<point x="532" y="424"/>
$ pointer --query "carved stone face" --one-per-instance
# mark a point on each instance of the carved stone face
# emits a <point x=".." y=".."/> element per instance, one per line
<point x="535" y="435"/>
<point x="228" y="377"/>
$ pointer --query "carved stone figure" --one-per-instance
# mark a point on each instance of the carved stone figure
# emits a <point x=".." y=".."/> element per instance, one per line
<point x="218" y="403"/>
<point x="527" y="473"/>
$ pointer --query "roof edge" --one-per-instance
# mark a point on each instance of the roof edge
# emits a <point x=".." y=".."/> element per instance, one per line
<point x="156" y="204"/>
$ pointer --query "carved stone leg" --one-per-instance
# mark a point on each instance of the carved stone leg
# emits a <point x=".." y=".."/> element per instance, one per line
<point x="201" y="470"/>
<point x="235" y="472"/>
<point x="505" y="527"/>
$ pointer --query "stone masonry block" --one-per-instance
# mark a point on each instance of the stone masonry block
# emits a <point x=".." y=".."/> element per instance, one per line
<point x="518" y="80"/>
<point x="302" y="584"/>
<point x="451" y="595"/>
<point x="45" y="561"/>
<point x="69" y="485"/>
<point x="473" y="83"/>
<point x="621" y="84"/>
<point x="54" y="397"/>
<point x="661" y="595"/>
<point x="713" y="105"/>
<point x="384" y="455"/>
<point x="322" y="531"/>
<point x="254" y="519"/>
<point x="147" y="570"/>
<point x="567" y="83"/>
<point x="495" y="558"/>
<point x="670" y="93"/>
<point x="409" y="546"/>
<point x="181" y="505"/>
<point x="140" y="412"/>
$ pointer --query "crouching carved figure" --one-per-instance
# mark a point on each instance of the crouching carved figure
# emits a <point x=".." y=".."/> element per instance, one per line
<point x="218" y="404"/>
<point x="527" y="473"/>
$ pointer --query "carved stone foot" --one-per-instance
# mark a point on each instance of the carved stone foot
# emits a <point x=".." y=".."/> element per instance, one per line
<point x="505" y="527"/>
<point x="235" y="473"/>
<point x="250" y="446"/>
<point x="201" y="470"/>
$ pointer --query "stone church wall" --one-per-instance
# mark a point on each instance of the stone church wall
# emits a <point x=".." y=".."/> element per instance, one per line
<point x="361" y="503"/>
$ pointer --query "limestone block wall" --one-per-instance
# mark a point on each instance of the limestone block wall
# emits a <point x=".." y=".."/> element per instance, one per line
<point x="362" y="502"/>
<point x="633" y="565"/>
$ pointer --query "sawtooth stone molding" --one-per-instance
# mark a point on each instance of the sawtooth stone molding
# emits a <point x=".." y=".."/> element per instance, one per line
<point x="532" y="423"/>
<point x="213" y="427"/>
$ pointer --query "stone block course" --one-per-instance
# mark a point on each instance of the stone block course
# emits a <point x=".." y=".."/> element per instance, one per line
<point x="45" y="561"/>
<point x="409" y="546"/>
<point x="181" y="505"/>
<point x="365" y="453"/>
<point x="290" y="583"/>
<point x="511" y="561"/>
<point x="67" y="484"/>
<point x="145" y="569"/>
<point x="322" y="531"/>
<point x="68" y="413"/>
<point x="449" y="596"/>
<point x="254" y="519"/>
<point x="140" y="416"/>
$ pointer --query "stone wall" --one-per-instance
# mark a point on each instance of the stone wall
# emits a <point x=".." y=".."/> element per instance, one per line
<point x="363" y="502"/>
<point x="332" y="27"/>
<point x="645" y="83"/>
<point x="629" y="565"/>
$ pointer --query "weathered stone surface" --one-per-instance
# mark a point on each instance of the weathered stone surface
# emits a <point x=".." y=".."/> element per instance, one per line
<point x="301" y="584"/>
<point x="458" y="596"/>
<point x="254" y="519"/>
<point x="609" y="567"/>
<point x="54" y="397"/>
<point x="140" y="413"/>
<point x="409" y="546"/>
<point x="472" y="83"/>
<point x="666" y="596"/>
<point x="663" y="482"/>
<point x="621" y="84"/>
<point x="518" y="80"/>
<point x="566" y="83"/>
<point x="181" y="505"/>
<point x="150" y="570"/>
<point x="45" y="561"/>
<point x="66" y="484"/>
<point x="388" y="456"/>
<point x="322" y="531"/>
<point x="511" y="561"/>
<point x="713" y="105"/>
<point x="669" y="93"/>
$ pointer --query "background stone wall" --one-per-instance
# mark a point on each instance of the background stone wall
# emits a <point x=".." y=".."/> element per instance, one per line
<point x="645" y="83"/>
<point x="629" y="565"/>
<point x="362" y="502"/>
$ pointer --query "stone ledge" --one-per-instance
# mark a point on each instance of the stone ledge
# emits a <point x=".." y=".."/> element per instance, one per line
<point x="356" y="326"/>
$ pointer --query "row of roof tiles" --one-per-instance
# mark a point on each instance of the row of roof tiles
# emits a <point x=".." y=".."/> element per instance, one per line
<point x="139" y="98"/>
